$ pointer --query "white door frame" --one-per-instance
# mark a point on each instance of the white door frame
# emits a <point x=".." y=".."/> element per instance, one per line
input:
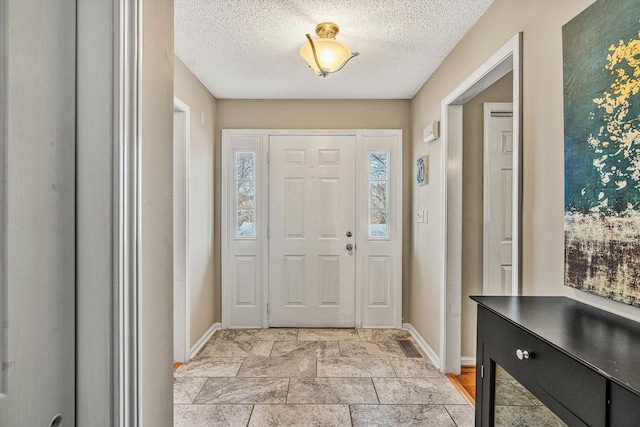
<point x="181" y="226"/>
<point x="128" y="188"/>
<point x="508" y="58"/>
<point x="109" y="341"/>
<point x="261" y="294"/>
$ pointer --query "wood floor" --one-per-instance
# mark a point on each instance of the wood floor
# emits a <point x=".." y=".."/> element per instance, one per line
<point x="466" y="382"/>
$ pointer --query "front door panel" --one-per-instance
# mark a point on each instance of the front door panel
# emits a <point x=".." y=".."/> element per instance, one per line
<point x="311" y="210"/>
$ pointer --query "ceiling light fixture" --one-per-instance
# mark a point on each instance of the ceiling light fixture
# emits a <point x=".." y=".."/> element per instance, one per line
<point x="326" y="55"/>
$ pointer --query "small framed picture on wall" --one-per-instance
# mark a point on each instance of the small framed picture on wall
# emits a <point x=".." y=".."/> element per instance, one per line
<point x="422" y="174"/>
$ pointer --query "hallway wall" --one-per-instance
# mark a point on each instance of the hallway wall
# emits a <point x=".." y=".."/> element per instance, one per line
<point x="543" y="207"/>
<point x="318" y="114"/>
<point x="156" y="217"/>
<point x="204" y="282"/>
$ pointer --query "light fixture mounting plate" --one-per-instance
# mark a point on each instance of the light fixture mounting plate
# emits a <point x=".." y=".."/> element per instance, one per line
<point x="327" y="30"/>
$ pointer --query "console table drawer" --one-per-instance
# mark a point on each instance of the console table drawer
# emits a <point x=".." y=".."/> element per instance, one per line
<point x="625" y="407"/>
<point x="573" y="391"/>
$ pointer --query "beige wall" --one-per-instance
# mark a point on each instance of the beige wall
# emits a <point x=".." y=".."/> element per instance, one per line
<point x="472" y="203"/>
<point x="320" y="114"/>
<point x="205" y="283"/>
<point x="156" y="266"/>
<point x="543" y="239"/>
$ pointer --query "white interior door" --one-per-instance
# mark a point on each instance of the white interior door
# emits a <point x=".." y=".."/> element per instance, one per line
<point x="311" y="223"/>
<point x="498" y="199"/>
<point x="37" y="214"/>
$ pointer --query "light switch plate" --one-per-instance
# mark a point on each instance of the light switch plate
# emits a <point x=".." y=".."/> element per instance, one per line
<point x="420" y="216"/>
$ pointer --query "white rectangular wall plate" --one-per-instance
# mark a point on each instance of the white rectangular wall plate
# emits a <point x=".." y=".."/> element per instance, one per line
<point x="432" y="132"/>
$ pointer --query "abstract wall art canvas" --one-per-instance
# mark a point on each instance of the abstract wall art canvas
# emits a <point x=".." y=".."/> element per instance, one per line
<point x="601" y="53"/>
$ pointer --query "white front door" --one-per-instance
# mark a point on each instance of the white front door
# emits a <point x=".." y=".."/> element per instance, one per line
<point x="312" y="223"/>
<point x="498" y="200"/>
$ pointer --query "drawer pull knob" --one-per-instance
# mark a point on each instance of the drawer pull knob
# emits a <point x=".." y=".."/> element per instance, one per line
<point x="522" y="354"/>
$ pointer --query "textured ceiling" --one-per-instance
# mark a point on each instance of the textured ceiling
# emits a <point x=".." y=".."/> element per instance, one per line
<point x="249" y="48"/>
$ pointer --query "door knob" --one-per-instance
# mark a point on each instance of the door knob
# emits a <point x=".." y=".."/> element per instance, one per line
<point x="349" y="247"/>
<point x="522" y="354"/>
<point x="349" y="234"/>
<point x="56" y="421"/>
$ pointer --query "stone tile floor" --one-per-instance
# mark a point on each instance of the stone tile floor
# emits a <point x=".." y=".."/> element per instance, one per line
<point x="314" y="377"/>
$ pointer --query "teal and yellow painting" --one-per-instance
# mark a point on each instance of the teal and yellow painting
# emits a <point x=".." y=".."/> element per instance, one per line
<point x="601" y="54"/>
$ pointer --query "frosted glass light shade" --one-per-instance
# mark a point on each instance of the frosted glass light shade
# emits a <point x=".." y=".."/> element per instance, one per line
<point x="332" y="54"/>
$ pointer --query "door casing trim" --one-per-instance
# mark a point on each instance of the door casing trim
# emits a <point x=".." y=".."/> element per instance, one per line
<point x="507" y="58"/>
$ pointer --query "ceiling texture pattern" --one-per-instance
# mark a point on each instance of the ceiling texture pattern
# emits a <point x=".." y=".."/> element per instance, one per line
<point x="248" y="49"/>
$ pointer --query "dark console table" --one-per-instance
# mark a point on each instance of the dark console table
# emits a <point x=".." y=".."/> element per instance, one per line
<point x="581" y="362"/>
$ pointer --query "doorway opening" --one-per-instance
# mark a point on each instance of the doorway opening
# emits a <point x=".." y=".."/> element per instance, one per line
<point x="181" y="303"/>
<point x="507" y="59"/>
<point x="497" y="195"/>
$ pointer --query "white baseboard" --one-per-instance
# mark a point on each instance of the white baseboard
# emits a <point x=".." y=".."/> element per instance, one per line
<point x="467" y="360"/>
<point x="423" y="345"/>
<point x="203" y="340"/>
